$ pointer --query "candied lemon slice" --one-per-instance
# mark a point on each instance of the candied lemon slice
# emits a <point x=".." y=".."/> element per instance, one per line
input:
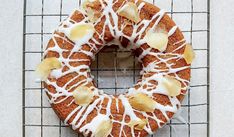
<point x="87" y="2"/>
<point x="172" y="85"/>
<point x="84" y="4"/>
<point x="83" y="95"/>
<point x="81" y="31"/>
<point x="138" y="124"/>
<point x="91" y="15"/>
<point x="44" y="68"/>
<point x="189" y="54"/>
<point x="130" y="11"/>
<point x="157" y="40"/>
<point x="104" y="129"/>
<point x="142" y="102"/>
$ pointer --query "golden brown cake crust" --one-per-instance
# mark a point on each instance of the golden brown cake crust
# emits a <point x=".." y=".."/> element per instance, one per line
<point x="64" y="108"/>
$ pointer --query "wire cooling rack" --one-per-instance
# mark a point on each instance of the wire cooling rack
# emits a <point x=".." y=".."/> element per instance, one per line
<point x="42" y="16"/>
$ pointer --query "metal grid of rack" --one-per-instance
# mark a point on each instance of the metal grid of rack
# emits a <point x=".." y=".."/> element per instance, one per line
<point x="42" y="16"/>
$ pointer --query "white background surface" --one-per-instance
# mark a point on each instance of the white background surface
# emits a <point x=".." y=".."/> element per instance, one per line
<point x="222" y="72"/>
<point x="222" y="68"/>
<point x="10" y="67"/>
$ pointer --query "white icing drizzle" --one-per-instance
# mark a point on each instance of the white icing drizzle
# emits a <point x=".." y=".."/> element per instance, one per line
<point x="172" y="31"/>
<point x="80" y="113"/>
<point x="93" y="125"/>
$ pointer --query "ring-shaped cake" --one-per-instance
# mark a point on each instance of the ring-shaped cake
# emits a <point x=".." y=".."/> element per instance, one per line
<point x="137" y="26"/>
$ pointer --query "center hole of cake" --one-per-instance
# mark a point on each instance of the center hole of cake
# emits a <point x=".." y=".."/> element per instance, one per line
<point x="115" y="70"/>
